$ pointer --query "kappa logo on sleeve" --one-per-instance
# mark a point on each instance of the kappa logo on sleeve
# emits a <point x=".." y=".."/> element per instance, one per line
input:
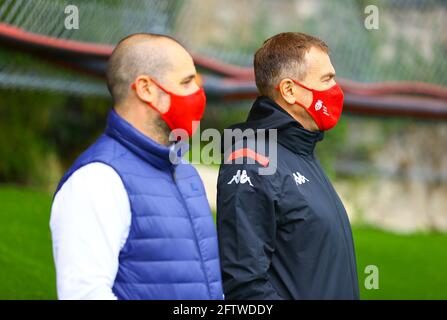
<point x="299" y="178"/>
<point x="241" y="177"/>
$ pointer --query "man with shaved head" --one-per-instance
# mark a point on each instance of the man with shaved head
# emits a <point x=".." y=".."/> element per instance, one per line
<point x="130" y="218"/>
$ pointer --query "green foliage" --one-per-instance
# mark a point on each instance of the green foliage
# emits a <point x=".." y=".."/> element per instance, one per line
<point x="333" y="142"/>
<point x="23" y="149"/>
<point x="41" y="132"/>
<point x="222" y="115"/>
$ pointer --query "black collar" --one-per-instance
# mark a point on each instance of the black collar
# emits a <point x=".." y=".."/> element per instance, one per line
<point x="267" y="114"/>
<point x="299" y="140"/>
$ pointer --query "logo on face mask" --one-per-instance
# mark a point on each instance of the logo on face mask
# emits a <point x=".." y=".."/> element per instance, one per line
<point x="318" y="105"/>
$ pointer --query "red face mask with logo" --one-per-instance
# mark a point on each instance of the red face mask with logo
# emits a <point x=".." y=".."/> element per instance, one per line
<point x="326" y="106"/>
<point x="183" y="110"/>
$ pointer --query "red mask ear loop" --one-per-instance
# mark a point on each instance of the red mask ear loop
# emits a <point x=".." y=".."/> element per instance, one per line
<point x="298" y="83"/>
<point x="307" y="88"/>
<point x="134" y="86"/>
<point x="303" y="86"/>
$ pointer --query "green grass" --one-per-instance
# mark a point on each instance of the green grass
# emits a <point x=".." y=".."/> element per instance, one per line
<point x="410" y="266"/>
<point x="26" y="260"/>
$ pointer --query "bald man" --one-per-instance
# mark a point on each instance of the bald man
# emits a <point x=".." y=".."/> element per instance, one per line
<point x="130" y="218"/>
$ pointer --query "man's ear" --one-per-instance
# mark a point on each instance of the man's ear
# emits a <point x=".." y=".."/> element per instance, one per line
<point x="287" y="90"/>
<point x="145" y="89"/>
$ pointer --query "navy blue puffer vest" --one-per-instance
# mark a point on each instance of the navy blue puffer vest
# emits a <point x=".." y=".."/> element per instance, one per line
<point x="171" y="251"/>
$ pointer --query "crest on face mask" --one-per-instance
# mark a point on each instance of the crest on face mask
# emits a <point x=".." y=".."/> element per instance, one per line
<point x="328" y="105"/>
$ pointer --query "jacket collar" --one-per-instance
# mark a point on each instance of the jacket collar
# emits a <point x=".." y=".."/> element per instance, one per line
<point x="267" y="114"/>
<point x="299" y="140"/>
<point x="140" y="144"/>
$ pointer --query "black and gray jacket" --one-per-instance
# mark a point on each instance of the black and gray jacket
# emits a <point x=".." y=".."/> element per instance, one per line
<point x="284" y="235"/>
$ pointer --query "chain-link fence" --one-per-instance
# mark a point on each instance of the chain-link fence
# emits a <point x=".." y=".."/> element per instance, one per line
<point x="409" y="44"/>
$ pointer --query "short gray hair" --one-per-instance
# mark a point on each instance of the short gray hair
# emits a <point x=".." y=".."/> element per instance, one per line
<point x="282" y="56"/>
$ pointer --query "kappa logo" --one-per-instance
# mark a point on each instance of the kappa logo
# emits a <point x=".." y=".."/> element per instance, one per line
<point x="319" y="104"/>
<point x="299" y="178"/>
<point x="241" y="177"/>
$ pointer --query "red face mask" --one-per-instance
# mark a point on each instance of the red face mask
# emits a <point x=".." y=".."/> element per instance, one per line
<point x="326" y="106"/>
<point x="183" y="110"/>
